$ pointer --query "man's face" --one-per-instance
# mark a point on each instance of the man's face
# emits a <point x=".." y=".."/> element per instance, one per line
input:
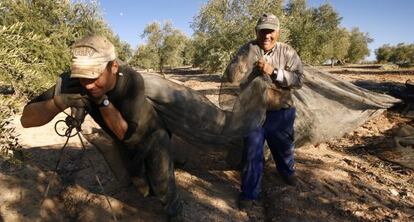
<point x="100" y="86"/>
<point x="267" y="38"/>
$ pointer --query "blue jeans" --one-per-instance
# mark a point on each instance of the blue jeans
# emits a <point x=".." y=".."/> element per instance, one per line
<point x="278" y="131"/>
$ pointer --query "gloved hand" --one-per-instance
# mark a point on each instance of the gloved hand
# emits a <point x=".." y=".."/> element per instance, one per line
<point x="64" y="101"/>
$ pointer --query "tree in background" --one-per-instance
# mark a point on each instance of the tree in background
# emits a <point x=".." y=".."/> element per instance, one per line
<point x="164" y="47"/>
<point x="144" y="57"/>
<point x="222" y="26"/>
<point x="383" y="53"/>
<point x="337" y="48"/>
<point x="18" y="66"/>
<point x="402" y="54"/>
<point x="332" y="40"/>
<point x="188" y="52"/>
<point x="302" y="29"/>
<point x="358" y="48"/>
<point x="44" y="33"/>
<point x="123" y="49"/>
<point x="313" y="31"/>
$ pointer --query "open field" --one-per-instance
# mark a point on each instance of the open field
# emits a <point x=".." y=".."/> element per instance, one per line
<point x="360" y="177"/>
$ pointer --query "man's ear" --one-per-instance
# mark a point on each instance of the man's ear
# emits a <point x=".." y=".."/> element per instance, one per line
<point x="277" y="36"/>
<point x="114" y="67"/>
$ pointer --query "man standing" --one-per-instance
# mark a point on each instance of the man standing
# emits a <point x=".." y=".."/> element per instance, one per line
<point x="266" y="58"/>
<point x="113" y="95"/>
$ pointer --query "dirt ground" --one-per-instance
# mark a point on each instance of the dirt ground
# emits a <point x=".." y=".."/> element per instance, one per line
<point x="360" y="177"/>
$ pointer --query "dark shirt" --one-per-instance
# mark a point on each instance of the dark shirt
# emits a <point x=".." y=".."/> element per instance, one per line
<point x="128" y="97"/>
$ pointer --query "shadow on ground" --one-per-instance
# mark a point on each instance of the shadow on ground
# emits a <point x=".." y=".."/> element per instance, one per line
<point x="360" y="177"/>
<point x="74" y="194"/>
<point x="357" y="186"/>
<point x="208" y="188"/>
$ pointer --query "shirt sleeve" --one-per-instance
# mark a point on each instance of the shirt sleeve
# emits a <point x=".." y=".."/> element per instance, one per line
<point x="133" y="108"/>
<point x="46" y="95"/>
<point x="291" y="75"/>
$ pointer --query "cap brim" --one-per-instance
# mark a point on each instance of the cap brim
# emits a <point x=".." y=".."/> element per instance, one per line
<point x="266" y="26"/>
<point x="87" y="72"/>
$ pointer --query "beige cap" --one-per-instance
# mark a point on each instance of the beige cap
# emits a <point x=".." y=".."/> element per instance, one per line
<point x="268" y="21"/>
<point x="90" y="56"/>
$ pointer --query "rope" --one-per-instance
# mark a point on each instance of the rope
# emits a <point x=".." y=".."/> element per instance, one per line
<point x="54" y="171"/>
<point x="72" y="123"/>
<point x="97" y="178"/>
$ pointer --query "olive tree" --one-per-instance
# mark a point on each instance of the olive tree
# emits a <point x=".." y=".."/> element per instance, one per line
<point x="402" y="54"/>
<point x="358" y="48"/>
<point x="222" y="26"/>
<point x="314" y="32"/>
<point x="337" y="48"/>
<point x="164" y="47"/>
<point x="55" y="25"/>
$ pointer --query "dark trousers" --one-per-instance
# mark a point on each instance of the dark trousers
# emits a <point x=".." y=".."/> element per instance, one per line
<point x="278" y="131"/>
<point x="156" y="166"/>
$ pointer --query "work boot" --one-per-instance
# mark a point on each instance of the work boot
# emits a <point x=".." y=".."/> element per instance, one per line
<point x="176" y="218"/>
<point x="245" y="204"/>
<point x="142" y="185"/>
<point x="174" y="209"/>
<point x="290" y="180"/>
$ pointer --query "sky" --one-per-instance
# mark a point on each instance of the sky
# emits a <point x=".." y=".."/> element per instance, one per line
<point x="386" y="21"/>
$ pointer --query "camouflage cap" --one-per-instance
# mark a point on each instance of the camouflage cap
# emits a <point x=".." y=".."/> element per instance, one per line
<point x="268" y="21"/>
<point x="90" y="56"/>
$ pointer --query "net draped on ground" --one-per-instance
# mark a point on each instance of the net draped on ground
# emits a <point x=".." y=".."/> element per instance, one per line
<point x="327" y="108"/>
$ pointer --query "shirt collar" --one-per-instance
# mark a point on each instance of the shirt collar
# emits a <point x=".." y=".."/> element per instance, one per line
<point x="271" y="51"/>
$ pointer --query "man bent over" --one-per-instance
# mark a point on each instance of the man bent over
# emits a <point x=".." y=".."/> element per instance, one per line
<point x="113" y="94"/>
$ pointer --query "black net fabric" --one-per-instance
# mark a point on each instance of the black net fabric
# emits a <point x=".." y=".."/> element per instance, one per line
<point x="327" y="107"/>
<point x="193" y="117"/>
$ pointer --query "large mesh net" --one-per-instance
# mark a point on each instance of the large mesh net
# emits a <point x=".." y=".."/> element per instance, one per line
<point x="327" y="107"/>
<point x="193" y="117"/>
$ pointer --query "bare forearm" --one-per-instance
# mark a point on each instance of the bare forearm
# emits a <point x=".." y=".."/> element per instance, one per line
<point x="114" y="120"/>
<point x="39" y="113"/>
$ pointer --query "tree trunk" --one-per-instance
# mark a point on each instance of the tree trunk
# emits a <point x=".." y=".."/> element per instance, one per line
<point x="161" y="63"/>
